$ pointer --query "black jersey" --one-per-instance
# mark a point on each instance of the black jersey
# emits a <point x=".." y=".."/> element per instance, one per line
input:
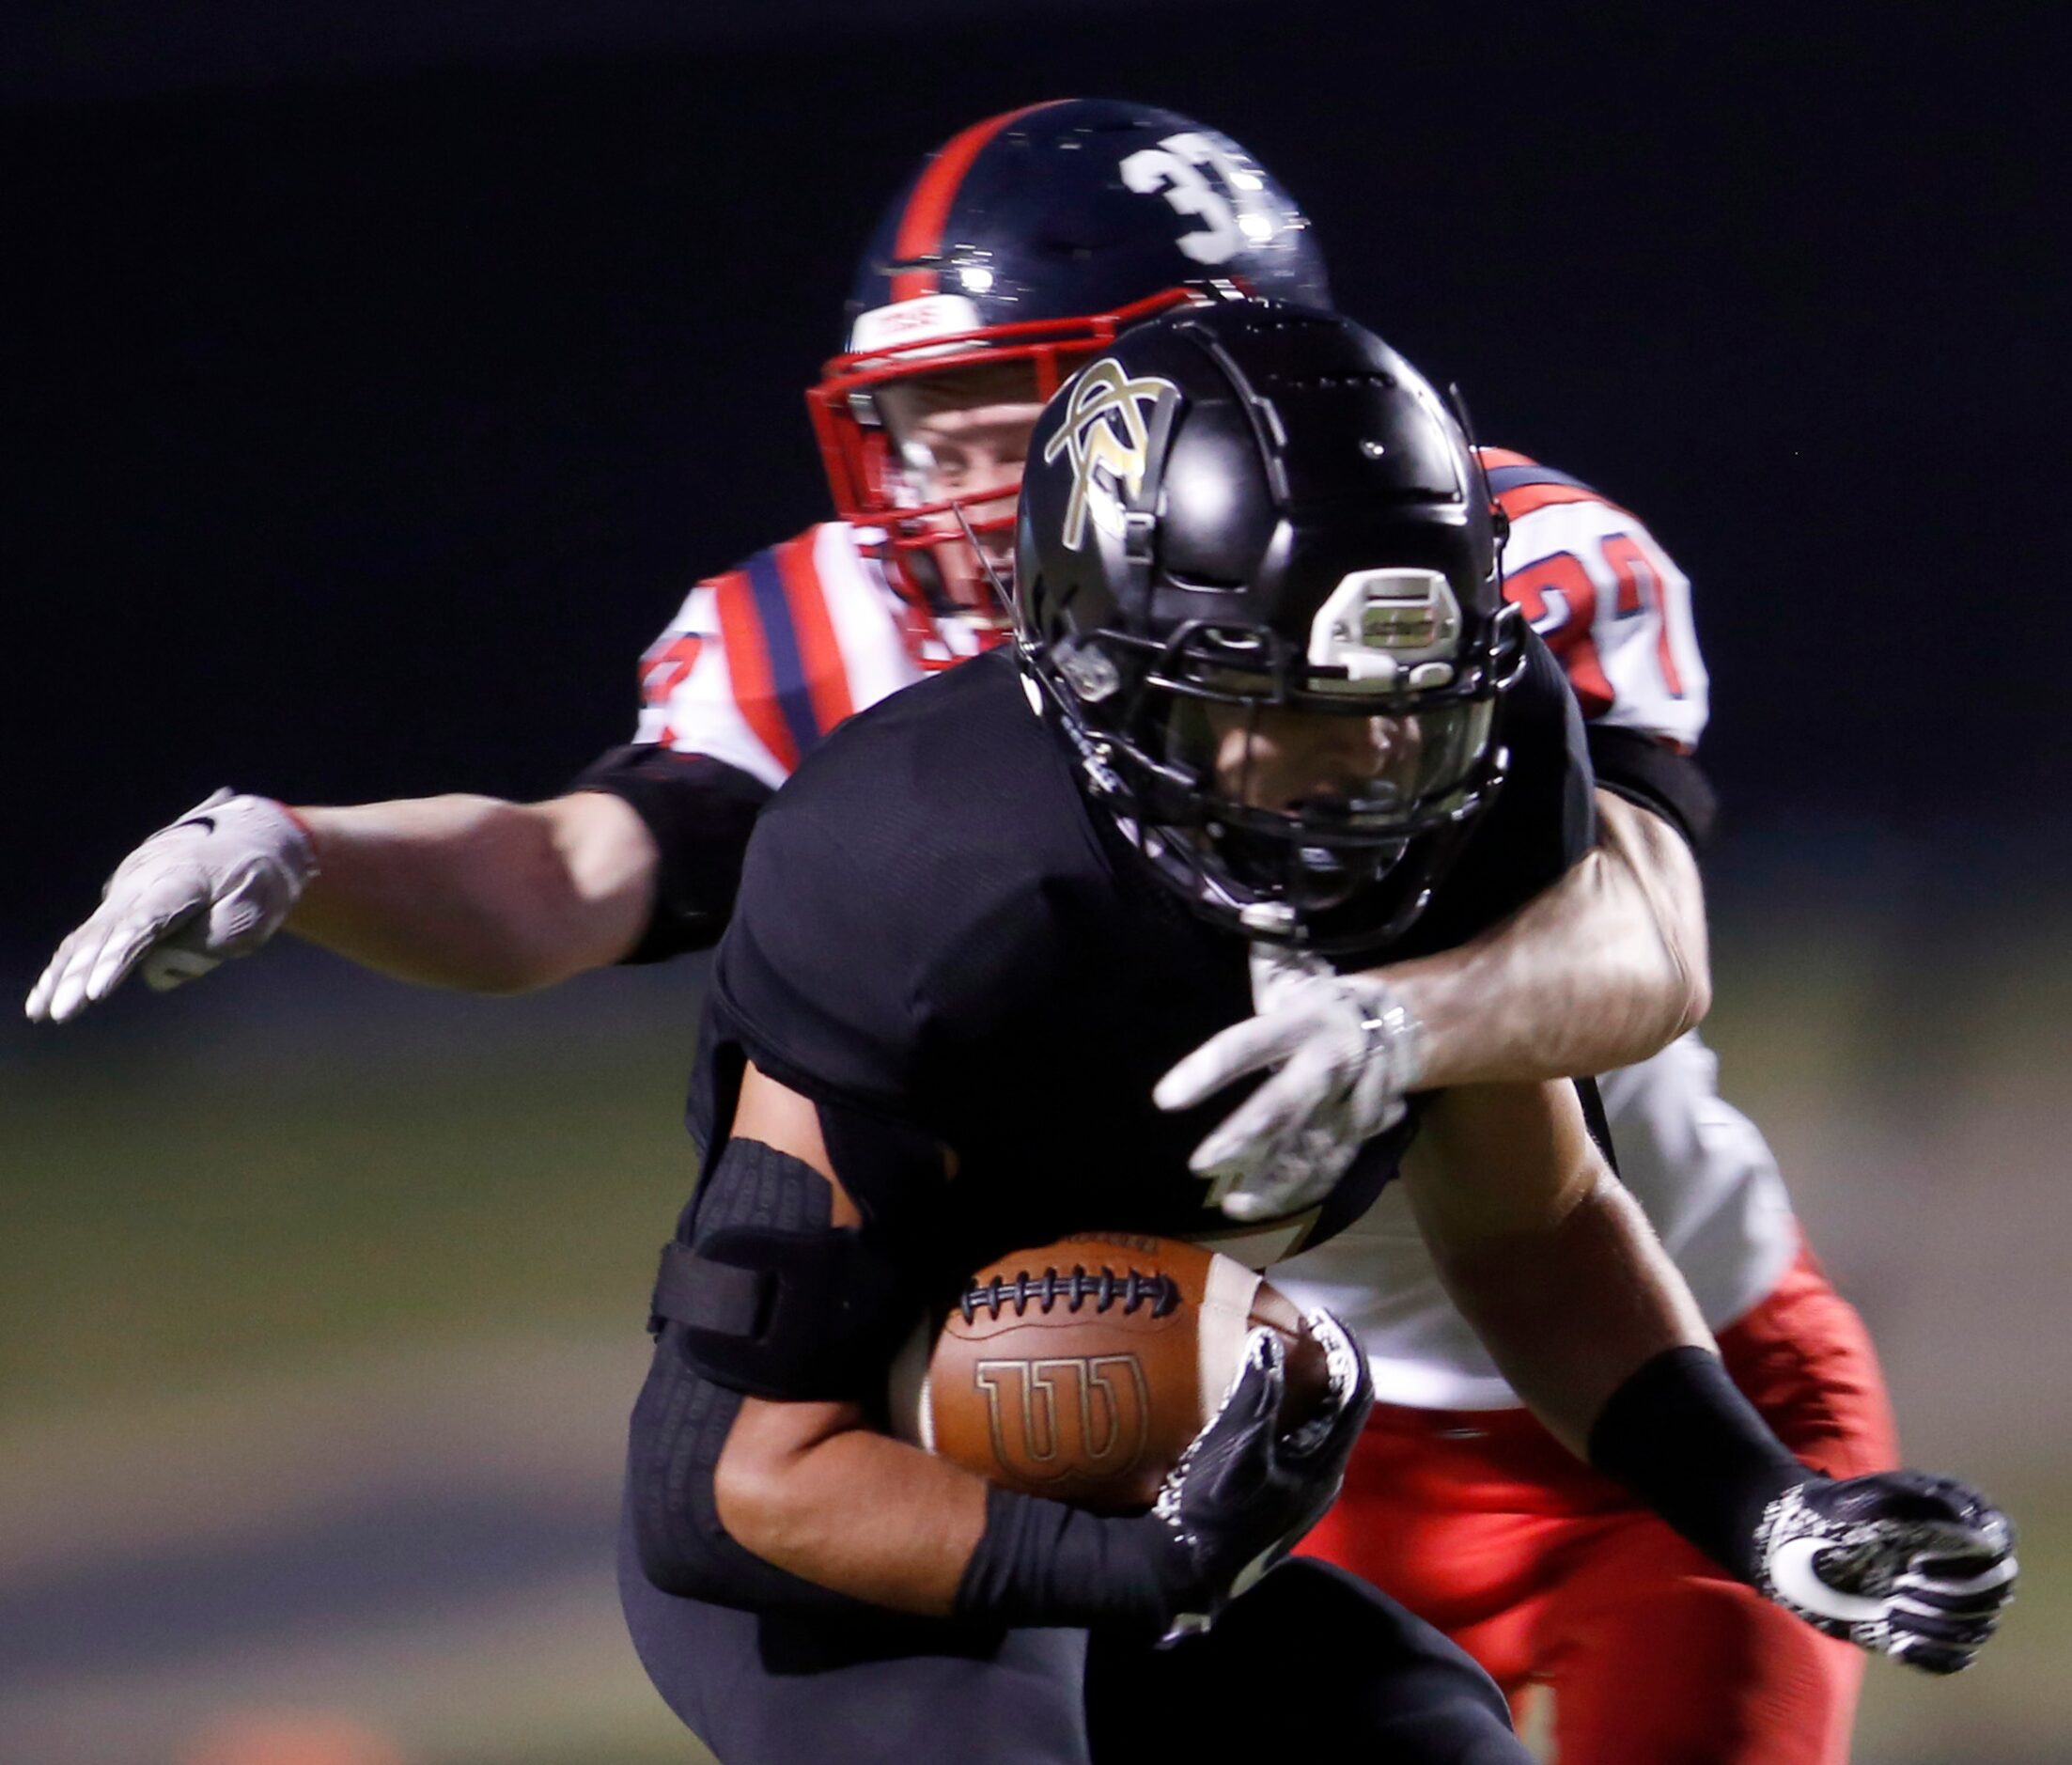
<point x="936" y="927"/>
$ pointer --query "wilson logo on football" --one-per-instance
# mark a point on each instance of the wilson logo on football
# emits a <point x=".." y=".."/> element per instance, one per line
<point x="1086" y="1417"/>
<point x="1107" y="431"/>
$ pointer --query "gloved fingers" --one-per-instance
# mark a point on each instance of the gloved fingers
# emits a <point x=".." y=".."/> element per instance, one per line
<point x="1977" y="1599"/>
<point x="1232" y="1459"/>
<point x="1973" y="1572"/>
<point x="1247" y="1139"/>
<point x="1300" y="1174"/>
<point x="1351" y="1381"/>
<point x="1970" y="1508"/>
<point x="154" y="891"/>
<point x="1959" y="1608"/>
<point x="1963" y="1577"/>
<point x="1228" y="1055"/>
<point x="1254" y="1387"/>
<point x="43" y="1000"/>
<point x="1379" y="1120"/>
<point x="1248" y="1206"/>
<point x="1262" y="1375"/>
<point x="120" y="954"/>
<point x="96" y="958"/>
<point x="1967" y="1632"/>
<point x="143" y="913"/>
<point x="1961" y="1558"/>
<point x="1923" y="1500"/>
<point x="1936" y="1658"/>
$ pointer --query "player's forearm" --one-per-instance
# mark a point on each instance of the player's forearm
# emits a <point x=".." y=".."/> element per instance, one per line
<point x="1601" y="971"/>
<point x="846" y="1509"/>
<point x="1544" y="1252"/>
<point x="475" y="893"/>
<point x="1571" y="1312"/>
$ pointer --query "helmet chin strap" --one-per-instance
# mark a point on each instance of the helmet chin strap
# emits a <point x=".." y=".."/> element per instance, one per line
<point x="1307" y="879"/>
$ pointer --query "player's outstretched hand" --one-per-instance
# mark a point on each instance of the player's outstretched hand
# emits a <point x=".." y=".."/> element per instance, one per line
<point x="1346" y="1050"/>
<point x="215" y="883"/>
<point x="1245" y="1492"/>
<point x="1901" y="1563"/>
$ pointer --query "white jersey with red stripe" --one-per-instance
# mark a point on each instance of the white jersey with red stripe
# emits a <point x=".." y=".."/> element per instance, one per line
<point x="764" y="660"/>
<point x="1608" y="599"/>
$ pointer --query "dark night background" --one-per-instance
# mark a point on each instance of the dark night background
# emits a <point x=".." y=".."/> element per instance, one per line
<point x="374" y="395"/>
<point x="377" y="378"/>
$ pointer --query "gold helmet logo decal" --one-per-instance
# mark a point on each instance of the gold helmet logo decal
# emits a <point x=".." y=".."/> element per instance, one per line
<point x="1107" y="431"/>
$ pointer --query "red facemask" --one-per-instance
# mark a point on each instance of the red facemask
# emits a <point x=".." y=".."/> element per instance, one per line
<point x="930" y="551"/>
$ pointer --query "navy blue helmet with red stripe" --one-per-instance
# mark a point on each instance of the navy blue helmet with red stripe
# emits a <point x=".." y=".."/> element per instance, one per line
<point x="1036" y="236"/>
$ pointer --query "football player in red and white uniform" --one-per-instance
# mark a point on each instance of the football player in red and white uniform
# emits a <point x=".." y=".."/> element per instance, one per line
<point x="974" y="304"/>
<point x="1457" y="1501"/>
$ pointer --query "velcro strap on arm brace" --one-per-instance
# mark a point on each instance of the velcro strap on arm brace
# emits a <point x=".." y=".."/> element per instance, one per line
<point x="774" y="1298"/>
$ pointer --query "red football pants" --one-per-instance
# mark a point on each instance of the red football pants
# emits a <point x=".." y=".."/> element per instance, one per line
<point x="1484" y="1524"/>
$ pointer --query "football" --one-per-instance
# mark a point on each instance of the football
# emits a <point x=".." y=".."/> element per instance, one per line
<point x="1080" y="1371"/>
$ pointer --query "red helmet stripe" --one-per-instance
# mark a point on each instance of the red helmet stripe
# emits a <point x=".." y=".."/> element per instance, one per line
<point x="928" y="209"/>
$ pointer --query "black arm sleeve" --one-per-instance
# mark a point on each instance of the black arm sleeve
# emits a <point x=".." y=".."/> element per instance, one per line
<point x="1682" y="1438"/>
<point x="761" y="1293"/>
<point x="1645" y="771"/>
<point x="684" y="1414"/>
<point x="701" y="812"/>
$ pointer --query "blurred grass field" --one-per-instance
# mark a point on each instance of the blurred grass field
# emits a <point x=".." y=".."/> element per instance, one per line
<point x="319" y="1283"/>
<point x="320" y="1308"/>
<point x="325" y="1207"/>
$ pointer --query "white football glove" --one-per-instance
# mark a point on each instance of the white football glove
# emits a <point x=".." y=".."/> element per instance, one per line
<point x="1900" y="1562"/>
<point x="1348" y="1050"/>
<point x="215" y="883"/>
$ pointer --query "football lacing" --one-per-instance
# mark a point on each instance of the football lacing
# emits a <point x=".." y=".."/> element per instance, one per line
<point x="1103" y="1287"/>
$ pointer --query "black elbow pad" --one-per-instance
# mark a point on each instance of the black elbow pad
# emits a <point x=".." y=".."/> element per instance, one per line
<point x="770" y="1297"/>
<point x="763" y="1295"/>
<point x="679" y="1427"/>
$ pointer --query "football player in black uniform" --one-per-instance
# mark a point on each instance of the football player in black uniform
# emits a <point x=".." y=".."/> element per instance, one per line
<point x="1266" y="694"/>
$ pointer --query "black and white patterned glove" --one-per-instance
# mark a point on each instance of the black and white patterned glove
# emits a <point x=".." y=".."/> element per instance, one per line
<point x="1900" y="1562"/>
<point x="1244" y="1493"/>
<point x="213" y="884"/>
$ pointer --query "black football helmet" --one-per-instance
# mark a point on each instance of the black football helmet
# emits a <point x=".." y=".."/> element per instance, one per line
<point x="1256" y="590"/>
<point x="1036" y="237"/>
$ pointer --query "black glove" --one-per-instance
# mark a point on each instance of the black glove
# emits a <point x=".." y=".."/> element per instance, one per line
<point x="1900" y="1562"/>
<point x="1243" y="1493"/>
<point x="1241" y="1496"/>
